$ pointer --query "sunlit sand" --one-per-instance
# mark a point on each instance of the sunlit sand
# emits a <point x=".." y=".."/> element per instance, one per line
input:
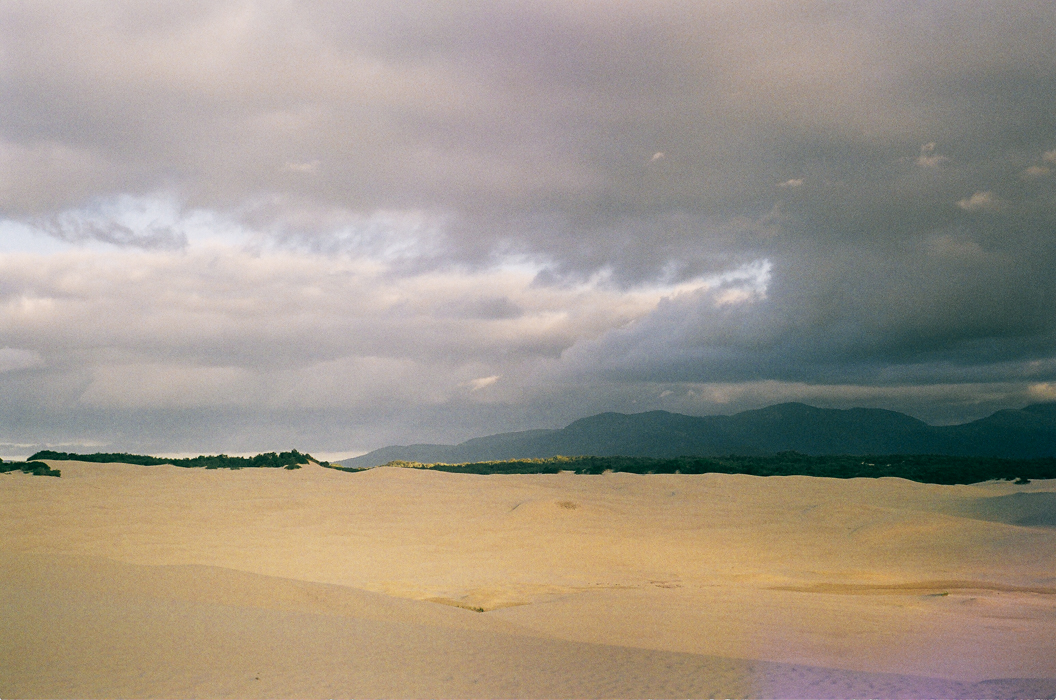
<point x="120" y="581"/>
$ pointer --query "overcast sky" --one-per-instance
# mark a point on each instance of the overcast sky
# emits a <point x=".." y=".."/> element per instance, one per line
<point x="249" y="226"/>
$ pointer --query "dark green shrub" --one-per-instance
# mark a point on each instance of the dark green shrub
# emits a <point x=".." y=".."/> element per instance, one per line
<point x="286" y="460"/>
<point x="35" y="468"/>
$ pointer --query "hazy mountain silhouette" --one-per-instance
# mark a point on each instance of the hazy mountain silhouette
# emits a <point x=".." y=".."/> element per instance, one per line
<point x="1024" y="433"/>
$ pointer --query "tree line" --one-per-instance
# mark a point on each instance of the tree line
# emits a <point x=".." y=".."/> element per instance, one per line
<point x="268" y="460"/>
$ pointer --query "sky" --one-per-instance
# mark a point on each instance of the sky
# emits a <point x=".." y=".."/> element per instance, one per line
<point x="249" y="226"/>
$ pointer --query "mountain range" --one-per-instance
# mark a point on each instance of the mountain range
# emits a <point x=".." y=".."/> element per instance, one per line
<point x="1024" y="433"/>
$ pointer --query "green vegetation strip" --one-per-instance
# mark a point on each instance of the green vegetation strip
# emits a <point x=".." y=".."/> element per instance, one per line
<point x="268" y="460"/>
<point x="928" y="469"/>
<point x="35" y="468"/>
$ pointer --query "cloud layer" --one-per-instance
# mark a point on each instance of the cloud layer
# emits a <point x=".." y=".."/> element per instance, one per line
<point x="234" y="224"/>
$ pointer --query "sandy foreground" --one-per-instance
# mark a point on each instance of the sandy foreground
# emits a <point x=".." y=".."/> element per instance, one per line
<point x="131" y="581"/>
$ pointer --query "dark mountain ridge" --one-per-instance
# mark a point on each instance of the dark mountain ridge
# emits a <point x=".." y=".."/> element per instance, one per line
<point x="1025" y="433"/>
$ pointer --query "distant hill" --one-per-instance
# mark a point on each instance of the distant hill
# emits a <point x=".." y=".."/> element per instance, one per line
<point x="1025" y="433"/>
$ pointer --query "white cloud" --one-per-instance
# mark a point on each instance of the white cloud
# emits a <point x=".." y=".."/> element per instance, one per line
<point x="928" y="158"/>
<point x="1049" y="156"/>
<point x="307" y="168"/>
<point x="1035" y="171"/>
<point x="483" y="382"/>
<point x="746" y="283"/>
<point x="12" y="359"/>
<point x="1042" y="391"/>
<point x="796" y="182"/>
<point x="950" y="245"/>
<point x="981" y="201"/>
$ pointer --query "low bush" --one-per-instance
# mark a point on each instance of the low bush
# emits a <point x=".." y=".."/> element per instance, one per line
<point x="31" y="467"/>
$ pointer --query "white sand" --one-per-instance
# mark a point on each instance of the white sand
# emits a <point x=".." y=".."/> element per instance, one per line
<point x="119" y="581"/>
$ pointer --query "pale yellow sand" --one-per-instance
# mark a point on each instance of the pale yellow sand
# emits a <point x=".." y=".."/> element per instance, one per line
<point x="159" y="581"/>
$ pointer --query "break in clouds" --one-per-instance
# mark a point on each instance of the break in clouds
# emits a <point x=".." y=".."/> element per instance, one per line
<point x="247" y="226"/>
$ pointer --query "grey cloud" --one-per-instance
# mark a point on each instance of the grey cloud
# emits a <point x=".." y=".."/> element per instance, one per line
<point x="12" y="359"/>
<point x="543" y="107"/>
<point x="946" y="311"/>
<point x="886" y="158"/>
<point x="79" y="231"/>
<point x="493" y="308"/>
<point x="221" y="325"/>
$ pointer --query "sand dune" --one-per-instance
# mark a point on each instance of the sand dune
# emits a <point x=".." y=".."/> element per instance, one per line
<point x="121" y="581"/>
